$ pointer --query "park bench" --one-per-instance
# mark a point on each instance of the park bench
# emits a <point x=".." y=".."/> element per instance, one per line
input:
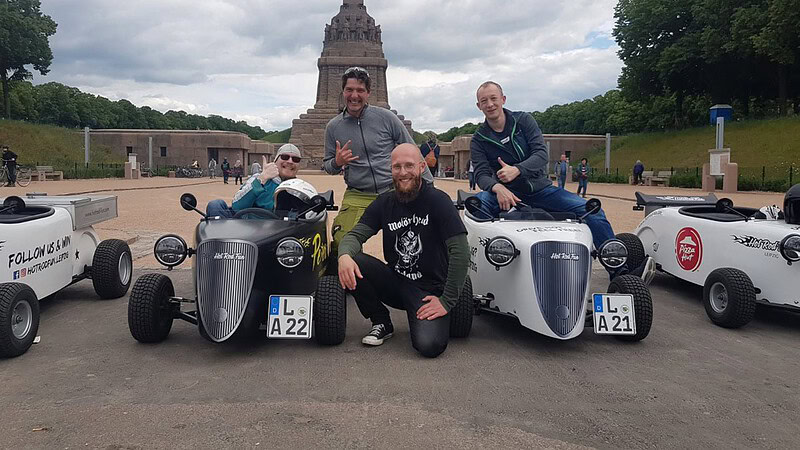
<point x="660" y="178"/>
<point x="647" y="174"/>
<point x="44" y="173"/>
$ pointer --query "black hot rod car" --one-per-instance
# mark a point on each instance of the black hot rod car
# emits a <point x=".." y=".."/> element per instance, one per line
<point x="260" y="268"/>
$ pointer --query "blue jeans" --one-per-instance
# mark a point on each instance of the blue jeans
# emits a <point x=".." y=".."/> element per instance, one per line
<point x="582" y="184"/>
<point x="553" y="199"/>
<point x="562" y="180"/>
<point x="219" y="208"/>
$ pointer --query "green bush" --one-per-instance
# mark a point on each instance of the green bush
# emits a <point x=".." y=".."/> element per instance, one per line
<point x="599" y="177"/>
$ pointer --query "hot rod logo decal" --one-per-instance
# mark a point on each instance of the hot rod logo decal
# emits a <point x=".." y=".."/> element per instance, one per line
<point x="689" y="249"/>
<point x="757" y="243"/>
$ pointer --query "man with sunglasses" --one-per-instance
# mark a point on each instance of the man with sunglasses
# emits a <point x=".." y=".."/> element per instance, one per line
<point x="259" y="190"/>
<point x="359" y="142"/>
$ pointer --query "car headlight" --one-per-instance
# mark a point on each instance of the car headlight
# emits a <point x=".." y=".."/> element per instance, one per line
<point x="613" y="254"/>
<point x="790" y="248"/>
<point x="290" y="253"/>
<point x="500" y="252"/>
<point x="170" y="250"/>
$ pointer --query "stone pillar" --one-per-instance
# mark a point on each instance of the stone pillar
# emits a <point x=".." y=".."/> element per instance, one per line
<point x="730" y="181"/>
<point x="709" y="182"/>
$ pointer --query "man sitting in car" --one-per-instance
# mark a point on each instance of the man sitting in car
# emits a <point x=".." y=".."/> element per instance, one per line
<point x="259" y="190"/>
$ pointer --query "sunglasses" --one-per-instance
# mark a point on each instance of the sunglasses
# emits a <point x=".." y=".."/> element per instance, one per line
<point x="295" y="159"/>
<point x="356" y="70"/>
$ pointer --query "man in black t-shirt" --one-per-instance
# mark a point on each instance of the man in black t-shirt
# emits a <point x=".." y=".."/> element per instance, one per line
<point x="426" y="251"/>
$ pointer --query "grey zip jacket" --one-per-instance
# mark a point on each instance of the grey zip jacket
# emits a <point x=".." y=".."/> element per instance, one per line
<point x="373" y="136"/>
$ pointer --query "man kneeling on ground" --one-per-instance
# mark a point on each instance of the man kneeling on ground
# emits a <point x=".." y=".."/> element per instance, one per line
<point x="425" y="246"/>
<point x="259" y="190"/>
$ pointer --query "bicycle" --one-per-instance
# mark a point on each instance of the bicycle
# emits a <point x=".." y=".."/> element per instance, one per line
<point x="23" y="175"/>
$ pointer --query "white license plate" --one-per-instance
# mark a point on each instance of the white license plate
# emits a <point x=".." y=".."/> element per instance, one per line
<point x="613" y="314"/>
<point x="289" y="316"/>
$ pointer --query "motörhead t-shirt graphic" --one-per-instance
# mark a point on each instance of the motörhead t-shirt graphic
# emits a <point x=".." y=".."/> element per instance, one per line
<point x="414" y="234"/>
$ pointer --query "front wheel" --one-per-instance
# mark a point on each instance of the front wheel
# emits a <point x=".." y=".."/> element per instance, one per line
<point x="23" y="177"/>
<point x="642" y="304"/>
<point x="636" y="253"/>
<point x="112" y="268"/>
<point x="330" y="311"/>
<point x="150" y="313"/>
<point x="19" y="319"/>
<point x="462" y="313"/>
<point x="729" y="297"/>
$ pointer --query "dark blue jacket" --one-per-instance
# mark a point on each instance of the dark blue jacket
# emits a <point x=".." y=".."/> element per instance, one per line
<point x="525" y="150"/>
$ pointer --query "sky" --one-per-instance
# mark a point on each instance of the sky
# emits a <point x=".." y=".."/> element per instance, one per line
<point x="256" y="60"/>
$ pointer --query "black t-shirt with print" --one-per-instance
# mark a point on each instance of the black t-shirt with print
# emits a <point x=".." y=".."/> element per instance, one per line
<point x="414" y="234"/>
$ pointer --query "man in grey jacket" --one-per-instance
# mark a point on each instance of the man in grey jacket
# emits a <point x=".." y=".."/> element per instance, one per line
<point x="359" y="142"/>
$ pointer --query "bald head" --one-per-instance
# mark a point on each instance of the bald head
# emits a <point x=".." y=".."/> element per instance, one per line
<point x="407" y="151"/>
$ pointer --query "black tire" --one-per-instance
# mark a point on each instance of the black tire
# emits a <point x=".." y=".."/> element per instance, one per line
<point x="330" y="311"/>
<point x="150" y="313"/>
<point x="23" y="177"/>
<point x="636" y="253"/>
<point x="739" y="304"/>
<point x="461" y="315"/>
<point x="642" y="304"/>
<point x="112" y="269"/>
<point x="17" y="301"/>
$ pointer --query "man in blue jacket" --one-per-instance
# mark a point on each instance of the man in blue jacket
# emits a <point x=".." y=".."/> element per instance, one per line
<point x="510" y="160"/>
<point x="259" y="190"/>
<point x="562" y="167"/>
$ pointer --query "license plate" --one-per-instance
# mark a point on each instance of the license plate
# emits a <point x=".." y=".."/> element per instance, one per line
<point x="289" y="317"/>
<point x="613" y="314"/>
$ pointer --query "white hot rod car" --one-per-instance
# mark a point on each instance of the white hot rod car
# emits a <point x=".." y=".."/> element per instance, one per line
<point x="537" y="267"/>
<point x="47" y="243"/>
<point x="741" y="256"/>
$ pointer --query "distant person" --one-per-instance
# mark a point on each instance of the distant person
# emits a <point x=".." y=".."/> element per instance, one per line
<point x="359" y="142"/>
<point x="255" y="168"/>
<point x="212" y="168"/>
<point x="10" y="161"/>
<point x="238" y="172"/>
<point x="583" y="176"/>
<point x="430" y="151"/>
<point x="195" y="164"/>
<point x="471" y="175"/>
<point x="226" y="170"/>
<point x="638" y="170"/>
<point x="259" y="190"/>
<point x="562" y="167"/>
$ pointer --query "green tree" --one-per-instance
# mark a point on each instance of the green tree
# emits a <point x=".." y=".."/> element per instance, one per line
<point x="24" y="33"/>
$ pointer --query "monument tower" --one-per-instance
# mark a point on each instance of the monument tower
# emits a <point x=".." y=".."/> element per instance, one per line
<point x="351" y="39"/>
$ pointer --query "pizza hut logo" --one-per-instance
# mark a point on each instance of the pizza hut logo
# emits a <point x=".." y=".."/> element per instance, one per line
<point x="689" y="249"/>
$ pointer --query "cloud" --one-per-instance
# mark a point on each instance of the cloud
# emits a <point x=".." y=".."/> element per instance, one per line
<point x="255" y="60"/>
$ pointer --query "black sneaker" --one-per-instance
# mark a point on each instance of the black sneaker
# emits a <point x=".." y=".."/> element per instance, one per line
<point x="378" y="334"/>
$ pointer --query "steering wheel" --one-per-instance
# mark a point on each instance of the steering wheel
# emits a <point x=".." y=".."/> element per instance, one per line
<point x="263" y="213"/>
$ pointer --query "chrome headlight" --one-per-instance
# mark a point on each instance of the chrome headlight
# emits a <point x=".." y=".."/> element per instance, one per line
<point x="790" y="248"/>
<point x="290" y="253"/>
<point x="170" y="250"/>
<point x="613" y="254"/>
<point x="500" y="252"/>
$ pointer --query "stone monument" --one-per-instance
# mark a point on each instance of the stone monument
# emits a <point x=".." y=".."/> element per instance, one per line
<point x="351" y="39"/>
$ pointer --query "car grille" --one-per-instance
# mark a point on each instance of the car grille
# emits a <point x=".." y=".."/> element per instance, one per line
<point x="560" y="274"/>
<point x="225" y="271"/>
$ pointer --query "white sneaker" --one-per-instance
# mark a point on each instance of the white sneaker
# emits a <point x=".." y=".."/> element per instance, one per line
<point x="377" y="335"/>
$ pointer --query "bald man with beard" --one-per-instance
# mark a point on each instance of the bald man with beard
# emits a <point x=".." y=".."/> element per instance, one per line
<point x="426" y="251"/>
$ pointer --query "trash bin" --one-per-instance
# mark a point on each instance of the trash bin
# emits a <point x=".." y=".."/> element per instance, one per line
<point x="725" y="111"/>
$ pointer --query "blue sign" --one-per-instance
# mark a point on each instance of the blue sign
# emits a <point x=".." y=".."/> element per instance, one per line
<point x="274" y="305"/>
<point x="598" y="303"/>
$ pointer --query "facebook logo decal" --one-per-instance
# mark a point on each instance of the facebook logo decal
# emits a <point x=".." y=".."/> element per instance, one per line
<point x="598" y="303"/>
<point x="16" y="274"/>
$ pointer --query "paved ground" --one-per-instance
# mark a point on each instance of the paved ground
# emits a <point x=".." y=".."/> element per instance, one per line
<point x="689" y="384"/>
